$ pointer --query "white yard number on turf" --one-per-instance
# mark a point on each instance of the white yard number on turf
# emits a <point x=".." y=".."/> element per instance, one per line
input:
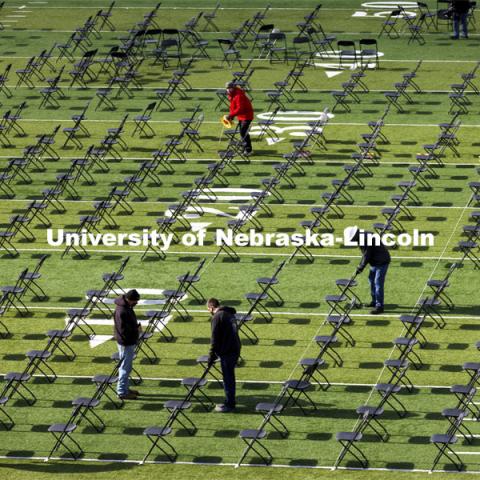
<point x="386" y="8"/>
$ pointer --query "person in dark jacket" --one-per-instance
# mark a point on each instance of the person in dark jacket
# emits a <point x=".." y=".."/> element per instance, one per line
<point x="126" y="331"/>
<point x="241" y="107"/>
<point x="460" y="15"/>
<point x="378" y="257"/>
<point x="225" y="345"/>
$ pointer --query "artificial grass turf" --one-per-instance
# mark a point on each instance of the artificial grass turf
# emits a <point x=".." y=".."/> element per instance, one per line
<point x="288" y="339"/>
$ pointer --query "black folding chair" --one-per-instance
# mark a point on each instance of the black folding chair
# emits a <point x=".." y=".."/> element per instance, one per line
<point x="347" y="51"/>
<point x="62" y="433"/>
<point x="4" y="79"/>
<point x="105" y="16"/>
<point x="389" y="26"/>
<point x="141" y="122"/>
<point x="348" y="441"/>
<point x="443" y="443"/>
<point x="210" y="17"/>
<point x="416" y="30"/>
<point x="230" y="53"/>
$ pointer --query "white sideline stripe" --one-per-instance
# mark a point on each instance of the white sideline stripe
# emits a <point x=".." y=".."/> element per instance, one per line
<point x="242" y="254"/>
<point x="307" y="314"/>
<point x="95" y="86"/>
<point x="261" y="382"/>
<point x="221" y="464"/>
<point x="172" y="122"/>
<point x="293" y="205"/>
<point x="263" y="161"/>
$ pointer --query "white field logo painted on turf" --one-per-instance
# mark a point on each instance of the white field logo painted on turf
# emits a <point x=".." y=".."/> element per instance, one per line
<point x="332" y="61"/>
<point x="386" y="8"/>
<point x="252" y="238"/>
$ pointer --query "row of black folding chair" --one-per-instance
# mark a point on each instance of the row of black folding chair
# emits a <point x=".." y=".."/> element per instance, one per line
<point x="456" y="416"/>
<point x="292" y="391"/>
<point x="27" y="281"/>
<point x="80" y="38"/>
<point x="81" y="73"/>
<point x="10" y="121"/>
<point x="350" y="89"/>
<point x="401" y="88"/>
<point x="3" y="81"/>
<point x="15" y="226"/>
<point x="459" y="96"/>
<point x="78" y="129"/>
<point x="391" y="26"/>
<point x="177" y="413"/>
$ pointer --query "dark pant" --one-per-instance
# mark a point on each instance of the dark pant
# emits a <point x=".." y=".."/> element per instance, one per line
<point x="244" y="127"/>
<point x="376" y="278"/>
<point x="228" y="363"/>
<point x="460" y="18"/>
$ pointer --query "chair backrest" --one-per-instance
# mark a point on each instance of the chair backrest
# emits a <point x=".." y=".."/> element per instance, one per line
<point x="267" y="27"/>
<point x="192" y="23"/>
<point x="213" y="13"/>
<point x="368" y="41"/>
<point x="226" y="43"/>
<point x="421" y="19"/>
<point x="170" y="43"/>
<point x="300" y="40"/>
<point x="150" y="108"/>
<point x="153" y="32"/>
<point x="38" y="266"/>
<point x="171" y="31"/>
<point x="275" y="36"/>
<point x="393" y="16"/>
<point x="346" y="43"/>
<point x="4" y="77"/>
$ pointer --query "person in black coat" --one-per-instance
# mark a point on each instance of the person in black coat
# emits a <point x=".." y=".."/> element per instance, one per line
<point x="460" y="15"/>
<point x="378" y="257"/>
<point x="225" y="345"/>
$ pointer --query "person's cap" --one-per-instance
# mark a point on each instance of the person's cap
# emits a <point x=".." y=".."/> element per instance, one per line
<point x="230" y="85"/>
<point x="132" y="295"/>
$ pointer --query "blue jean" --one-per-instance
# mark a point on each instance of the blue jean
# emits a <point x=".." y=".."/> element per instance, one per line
<point x="457" y="19"/>
<point x="125" y="367"/>
<point x="228" y="363"/>
<point x="376" y="277"/>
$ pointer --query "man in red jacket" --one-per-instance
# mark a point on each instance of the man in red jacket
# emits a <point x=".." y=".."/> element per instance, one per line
<point x="241" y="107"/>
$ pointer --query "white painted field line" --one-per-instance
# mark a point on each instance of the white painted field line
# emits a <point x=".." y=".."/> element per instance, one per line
<point x="247" y="382"/>
<point x="242" y="254"/>
<point x="95" y="86"/>
<point x="282" y="205"/>
<point x="278" y="313"/>
<point x="175" y="122"/>
<point x="226" y="464"/>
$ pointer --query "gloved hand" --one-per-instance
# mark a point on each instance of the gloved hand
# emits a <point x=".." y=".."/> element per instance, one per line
<point x="229" y="118"/>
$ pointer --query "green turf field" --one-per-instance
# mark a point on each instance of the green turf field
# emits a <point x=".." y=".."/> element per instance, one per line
<point x="444" y="207"/>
